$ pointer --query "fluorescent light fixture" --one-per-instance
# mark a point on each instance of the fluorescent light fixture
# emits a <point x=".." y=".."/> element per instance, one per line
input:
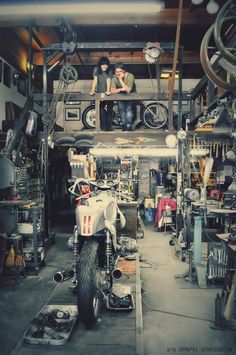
<point x="166" y="76"/>
<point x="166" y="73"/>
<point x="143" y="152"/>
<point x="197" y="2"/>
<point x="83" y="8"/>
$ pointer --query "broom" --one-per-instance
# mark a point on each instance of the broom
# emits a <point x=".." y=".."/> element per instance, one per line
<point x="229" y="308"/>
<point x="208" y="167"/>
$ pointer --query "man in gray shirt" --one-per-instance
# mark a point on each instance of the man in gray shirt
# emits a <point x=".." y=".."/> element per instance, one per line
<point x="124" y="82"/>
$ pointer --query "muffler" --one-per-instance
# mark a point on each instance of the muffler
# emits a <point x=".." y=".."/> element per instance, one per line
<point x="117" y="274"/>
<point x="61" y="276"/>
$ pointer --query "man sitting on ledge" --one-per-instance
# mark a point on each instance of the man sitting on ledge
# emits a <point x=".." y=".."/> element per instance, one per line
<point x="124" y="82"/>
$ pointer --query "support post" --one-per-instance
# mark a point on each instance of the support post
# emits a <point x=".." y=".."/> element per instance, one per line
<point x="197" y="252"/>
<point x="45" y="146"/>
<point x="30" y="62"/>
<point x="197" y="240"/>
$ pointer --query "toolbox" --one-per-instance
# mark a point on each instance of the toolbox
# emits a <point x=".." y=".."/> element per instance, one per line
<point x="53" y="325"/>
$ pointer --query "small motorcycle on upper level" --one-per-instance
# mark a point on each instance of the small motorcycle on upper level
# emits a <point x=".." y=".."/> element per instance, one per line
<point x="94" y="244"/>
<point x="153" y="115"/>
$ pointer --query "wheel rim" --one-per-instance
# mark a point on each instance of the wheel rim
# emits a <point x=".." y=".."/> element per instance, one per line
<point x="99" y="283"/>
<point x="91" y="118"/>
<point x="156" y="118"/>
<point x="208" y="68"/>
<point x="96" y="304"/>
<point x="221" y="18"/>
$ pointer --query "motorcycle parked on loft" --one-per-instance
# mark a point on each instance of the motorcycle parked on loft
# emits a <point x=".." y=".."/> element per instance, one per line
<point x="153" y="115"/>
<point x="94" y="244"/>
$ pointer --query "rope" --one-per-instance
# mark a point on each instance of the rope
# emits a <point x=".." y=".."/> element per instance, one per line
<point x="68" y="76"/>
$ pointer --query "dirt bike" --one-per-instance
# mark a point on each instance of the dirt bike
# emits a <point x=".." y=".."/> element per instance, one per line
<point x="95" y="245"/>
<point x="153" y="115"/>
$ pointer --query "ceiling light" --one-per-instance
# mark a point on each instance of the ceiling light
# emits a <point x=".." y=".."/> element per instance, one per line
<point x="212" y="7"/>
<point x="197" y="2"/>
<point x="171" y="141"/>
<point x="15" y="77"/>
<point x="84" y="8"/>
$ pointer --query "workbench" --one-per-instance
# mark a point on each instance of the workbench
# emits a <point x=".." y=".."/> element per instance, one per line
<point x="226" y="214"/>
<point x="130" y="211"/>
<point x="228" y="291"/>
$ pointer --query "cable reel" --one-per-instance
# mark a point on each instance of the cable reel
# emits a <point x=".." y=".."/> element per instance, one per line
<point x="221" y="65"/>
<point x="152" y="52"/>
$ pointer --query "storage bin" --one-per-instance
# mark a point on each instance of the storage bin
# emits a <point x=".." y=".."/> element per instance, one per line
<point x="149" y="214"/>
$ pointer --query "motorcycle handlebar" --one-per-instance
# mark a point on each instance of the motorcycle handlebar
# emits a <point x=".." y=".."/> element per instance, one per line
<point x="73" y="187"/>
<point x="83" y="196"/>
<point x="124" y="196"/>
<point x="87" y="181"/>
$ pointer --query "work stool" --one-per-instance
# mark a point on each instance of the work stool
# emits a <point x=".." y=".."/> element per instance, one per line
<point x="168" y="220"/>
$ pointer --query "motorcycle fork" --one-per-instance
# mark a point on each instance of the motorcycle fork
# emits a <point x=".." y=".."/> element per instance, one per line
<point x="75" y="254"/>
<point x="108" y="252"/>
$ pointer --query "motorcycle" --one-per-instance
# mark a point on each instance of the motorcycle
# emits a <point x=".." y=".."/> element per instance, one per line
<point x="95" y="245"/>
<point x="153" y="115"/>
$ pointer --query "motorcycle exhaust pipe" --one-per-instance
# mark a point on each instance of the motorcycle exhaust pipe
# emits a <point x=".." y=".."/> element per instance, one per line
<point x="117" y="274"/>
<point x="61" y="276"/>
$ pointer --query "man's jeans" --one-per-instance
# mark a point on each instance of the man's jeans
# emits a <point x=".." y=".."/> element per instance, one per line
<point x="126" y="109"/>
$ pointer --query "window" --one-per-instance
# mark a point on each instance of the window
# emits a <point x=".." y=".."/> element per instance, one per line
<point x="22" y="86"/>
<point x="7" y="75"/>
<point x="0" y="70"/>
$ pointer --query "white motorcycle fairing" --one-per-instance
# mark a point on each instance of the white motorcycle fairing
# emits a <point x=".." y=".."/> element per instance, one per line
<point x="90" y="218"/>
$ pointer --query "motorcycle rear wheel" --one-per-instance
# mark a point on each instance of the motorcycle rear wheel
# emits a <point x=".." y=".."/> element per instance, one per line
<point x="155" y="115"/>
<point x="88" y="293"/>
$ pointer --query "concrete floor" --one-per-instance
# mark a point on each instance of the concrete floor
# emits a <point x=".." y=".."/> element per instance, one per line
<point x="168" y="305"/>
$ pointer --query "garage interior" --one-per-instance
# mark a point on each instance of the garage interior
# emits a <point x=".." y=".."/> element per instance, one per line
<point x="118" y="241"/>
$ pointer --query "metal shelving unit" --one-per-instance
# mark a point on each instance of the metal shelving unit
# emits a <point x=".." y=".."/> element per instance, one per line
<point x="31" y="227"/>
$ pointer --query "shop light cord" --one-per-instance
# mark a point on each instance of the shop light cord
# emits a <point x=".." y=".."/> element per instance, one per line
<point x="175" y="314"/>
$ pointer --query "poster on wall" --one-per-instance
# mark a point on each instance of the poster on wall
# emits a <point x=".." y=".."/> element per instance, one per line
<point x="7" y="75"/>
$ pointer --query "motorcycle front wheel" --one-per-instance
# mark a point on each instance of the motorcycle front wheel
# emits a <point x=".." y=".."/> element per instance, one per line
<point x="89" y="116"/>
<point x="155" y="115"/>
<point x="88" y="293"/>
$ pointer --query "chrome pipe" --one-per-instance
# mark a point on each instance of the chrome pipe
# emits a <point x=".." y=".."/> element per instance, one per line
<point x="61" y="276"/>
<point x="117" y="274"/>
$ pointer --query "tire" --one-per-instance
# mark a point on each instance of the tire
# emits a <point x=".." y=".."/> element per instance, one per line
<point x="88" y="294"/>
<point x="89" y="117"/>
<point x="151" y="119"/>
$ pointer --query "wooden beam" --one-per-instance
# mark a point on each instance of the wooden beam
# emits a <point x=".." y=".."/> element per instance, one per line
<point x="126" y="57"/>
<point x="20" y="15"/>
